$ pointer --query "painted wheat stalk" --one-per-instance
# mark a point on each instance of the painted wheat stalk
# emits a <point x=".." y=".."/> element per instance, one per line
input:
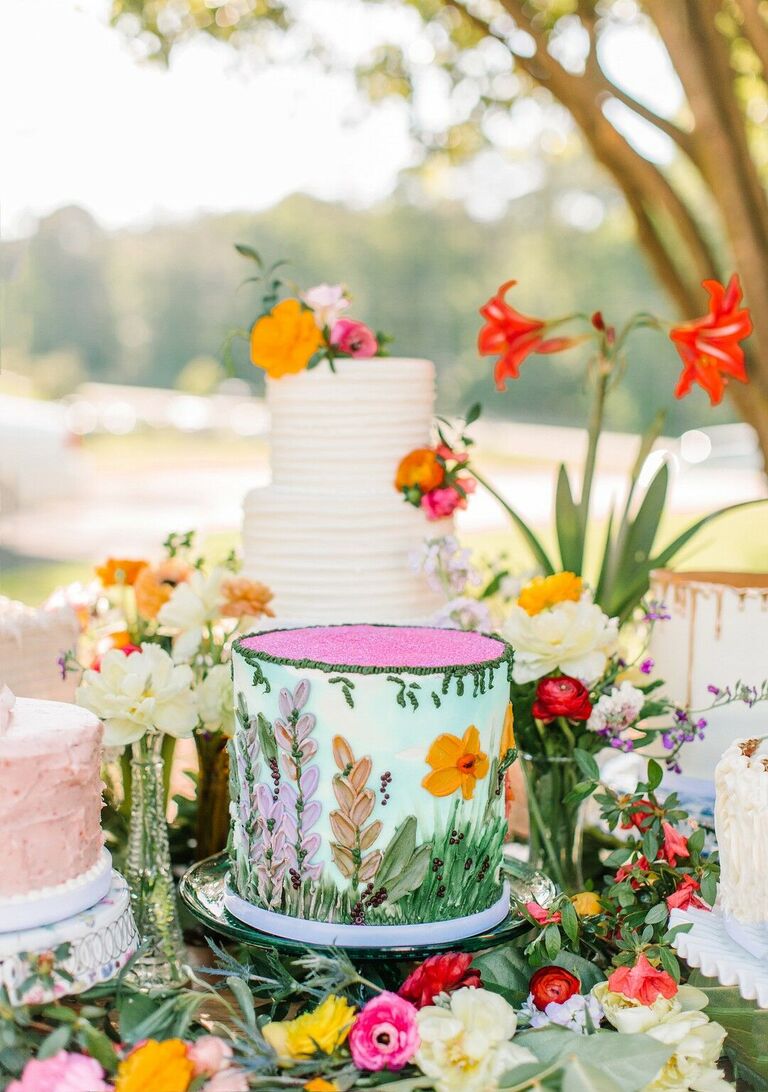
<point x="353" y="839"/>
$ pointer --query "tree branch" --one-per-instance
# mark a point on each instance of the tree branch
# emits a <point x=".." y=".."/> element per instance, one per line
<point x="756" y="31"/>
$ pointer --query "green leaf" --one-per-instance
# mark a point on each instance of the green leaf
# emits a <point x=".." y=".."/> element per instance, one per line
<point x="570" y="921"/>
<point x="266" y="738"/>
<point x="249" y="252"/>
<point x="411" y="877"/>
<point x="586" y="763"/>
<point x="570" y="530"/>
<point x="580" y="792"/>
<point x="696" y="840"/>
<point x="709" y="888"/>
<point x="505" y="971"/>
<point x="657" y="914"/>
<point x="57" y="1040"/>
<point x="606" y="565"/>
<point x="587" y="972"/>
<point x="655" y="775"/>
<point x="494" y="585"/>
<point x="398" y="852"/>
<point x="244" y="998"/>
<point x="473" y="413"/>
<point x="580" y="1076"/>
<point x="552" y="941"/>
<point x="99" y="1046"/>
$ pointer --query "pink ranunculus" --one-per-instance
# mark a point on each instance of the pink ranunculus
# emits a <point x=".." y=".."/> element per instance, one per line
<point x="227" y="1080"/>
<point x="209" y="1054"/>
<point x="62" y="1072"/>
<point x="353" y="338"/>
<point x="384" y="1034"/>
<point x="328" y="302"/>
<point x="443" y="502"/>
<point x="643" y="982"/>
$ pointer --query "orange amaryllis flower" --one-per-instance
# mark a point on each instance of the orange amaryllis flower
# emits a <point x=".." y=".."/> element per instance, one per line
<point x="284" y="341"/>
<point x="514" y="336"/>
<point x="709" y="346"/>
<point x="456" y="764"/>
<point x="420" y="469"/>
<point x="120" y="570"/>
<point x="156" y="1065"/>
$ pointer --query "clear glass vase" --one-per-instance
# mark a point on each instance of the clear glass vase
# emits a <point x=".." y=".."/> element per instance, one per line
<point x="148" y="871"/>
<point x="556" y="826"/>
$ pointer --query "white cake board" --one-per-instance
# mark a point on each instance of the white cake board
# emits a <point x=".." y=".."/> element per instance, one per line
<point x="332" y="934"/>
<point x="41" y="964"/>
<point x="709" y="947"/>
<point x="52" y="904"/>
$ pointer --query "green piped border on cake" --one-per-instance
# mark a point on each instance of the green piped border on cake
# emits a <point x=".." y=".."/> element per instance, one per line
<point x="255" y="658"/>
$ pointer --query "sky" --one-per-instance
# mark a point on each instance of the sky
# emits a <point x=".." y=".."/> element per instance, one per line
<point x="86" y="121"/>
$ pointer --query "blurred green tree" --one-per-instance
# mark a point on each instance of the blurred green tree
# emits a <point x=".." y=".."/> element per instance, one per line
<point x="704" y="216"/>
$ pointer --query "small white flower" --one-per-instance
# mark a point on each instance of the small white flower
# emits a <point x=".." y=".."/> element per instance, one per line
<point x="194" y="604"/>
<point x="617" y="711"/>
<point x="574" y="637"/>
<point x="328" y="302"/>
<point x="216" y="700"/>
<point x="570" y="1014"/>
<point x="139" y="693"/>
<point x="447" y="565"/>
<point x="464" y="612"/>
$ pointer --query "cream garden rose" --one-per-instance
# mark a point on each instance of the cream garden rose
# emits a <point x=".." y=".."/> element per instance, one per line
<point x="139" y="693"/>
<point x="465" y="1046"/>
<point x="193" y="605"/>
<point x="575" y="638"/>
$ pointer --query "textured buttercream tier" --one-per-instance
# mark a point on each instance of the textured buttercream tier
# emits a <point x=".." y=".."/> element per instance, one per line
<point x="741" y="824"/>
<point x="31" y="641"/>
<point x="366" y="773"/>
<point x="50" y="795"/>
<point x="331" y="537"/>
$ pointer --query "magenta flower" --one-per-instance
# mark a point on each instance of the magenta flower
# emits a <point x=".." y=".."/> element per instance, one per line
<point x="384" y="1034"/>
<point x="353" y="338"/>
<point x="62" y="1072"/>
<point x="442" y="503"/>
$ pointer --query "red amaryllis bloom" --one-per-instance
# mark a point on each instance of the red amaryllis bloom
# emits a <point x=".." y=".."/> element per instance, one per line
<point x="675" y="845"/>
<point x="552" y="984"/>
<point x="561" y="697"/>
<point x="439" y="974"/>
<point x="709" y="346"/>
<point x="685" y="896"/>
<point x="642" y="982"/>
<point x="514" y="336"/>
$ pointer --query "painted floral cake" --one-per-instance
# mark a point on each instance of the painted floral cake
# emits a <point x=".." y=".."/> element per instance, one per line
<point x="367" y="775"/>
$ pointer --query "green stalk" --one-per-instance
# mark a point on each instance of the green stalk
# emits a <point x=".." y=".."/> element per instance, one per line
<point x="594" y="429"/>
<point x="534" y="545"/>
<point x="535" y="810"/>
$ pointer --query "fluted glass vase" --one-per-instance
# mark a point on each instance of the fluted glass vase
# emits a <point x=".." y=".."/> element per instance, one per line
<point x="148" y="871"/>
<point x="556" y="825"/>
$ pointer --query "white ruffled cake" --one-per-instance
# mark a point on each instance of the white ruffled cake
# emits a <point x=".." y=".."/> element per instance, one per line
<point x="331" y="536"/>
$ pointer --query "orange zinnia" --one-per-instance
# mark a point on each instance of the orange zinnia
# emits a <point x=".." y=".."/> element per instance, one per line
<point x="154" y="585"/>
<point x="284" y="341"/>
<point x="420" y="469"/>
<point x="709" y="346"/>
<point x="120" y="570"/>
<point x="244" y="598"/>
<point x="155" y="1065"/>
<point x="456" y="764"/>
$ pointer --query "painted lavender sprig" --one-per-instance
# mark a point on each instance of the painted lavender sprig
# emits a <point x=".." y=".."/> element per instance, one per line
<point x="245" y="751"/>
<point x="293" y="730"/>
<point x="275" y="829"/>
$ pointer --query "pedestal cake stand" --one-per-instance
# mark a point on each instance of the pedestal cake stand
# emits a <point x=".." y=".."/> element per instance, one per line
<point x="711" y="947"/>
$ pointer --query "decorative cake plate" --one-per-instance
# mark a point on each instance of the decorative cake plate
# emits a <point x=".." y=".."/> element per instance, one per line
<point x="204" y="890"/>
<point x="41" y="964"/>
<point x="710" y="947"/>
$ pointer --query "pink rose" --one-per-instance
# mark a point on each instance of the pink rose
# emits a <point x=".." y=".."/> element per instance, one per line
<point x="227" y="1080"/>
<point x="353" y="338"/>
<point x="209" y="1054"/>
<point x="384" y="1034"/>
<point x="62" y="1072"/>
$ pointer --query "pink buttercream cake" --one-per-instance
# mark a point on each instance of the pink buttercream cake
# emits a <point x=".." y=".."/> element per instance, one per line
<point x="50" y="795"/>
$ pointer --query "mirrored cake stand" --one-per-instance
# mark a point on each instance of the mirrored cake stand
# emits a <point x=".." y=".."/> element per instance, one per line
<point x="204" y="889"/>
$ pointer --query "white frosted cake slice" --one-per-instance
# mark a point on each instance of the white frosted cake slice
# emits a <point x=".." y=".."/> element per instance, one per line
<point x="741" y="823"/>
<point x="331" y="536"/>
<point x="31" y="642"/>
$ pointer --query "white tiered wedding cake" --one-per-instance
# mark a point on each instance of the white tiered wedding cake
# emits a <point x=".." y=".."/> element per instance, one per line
<point x="331" y="536"/>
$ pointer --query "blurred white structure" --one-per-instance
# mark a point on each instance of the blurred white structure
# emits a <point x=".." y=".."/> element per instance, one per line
<point x="39" y="459"/>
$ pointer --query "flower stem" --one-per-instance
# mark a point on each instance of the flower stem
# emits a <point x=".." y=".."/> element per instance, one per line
<point x="594" y="429"/>
<point x="535" y="810"/>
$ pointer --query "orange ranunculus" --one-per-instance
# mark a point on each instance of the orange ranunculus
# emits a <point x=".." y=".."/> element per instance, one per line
<point x="544" y="592"/>
<point x="507" y="741"/>
<point x="514" y="336"/>
<point x="319" y="1084"/>
<point x="157" y="1066"/>
<point x="120" y="570"/>
<point x="154" y="585"/>
<point x="456" y="764"/>
<point x="244" y="598"/>
<point x="420" y="469"/>
<point x="284" y="341"/>
<point x="709" y="346"/>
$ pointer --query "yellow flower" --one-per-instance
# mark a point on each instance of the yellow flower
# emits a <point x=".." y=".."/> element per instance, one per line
<point x="120" y="570"/>
<point x="319" y="1084"/>
<point x="456" y="764"/>
<point x="507" y="741"/>
<point x="544" y="592"/>
<point x="323" y="1028"/>
<point x="284" y="341"/>
<point x="586" y="903"/>
<point x="158" y="1066"/>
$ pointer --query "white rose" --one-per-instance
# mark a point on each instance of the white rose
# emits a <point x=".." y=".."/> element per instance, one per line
<point x="465" y="1047"/>
<point x="137" y="693"/>
<point x="194" y="604"/>
<point x="576" y="638"/>
<point x="216" y="700"/>
<point x="699" y="1044"/>
<point x="328" y="302"/>
<point x="630" y="1017"/>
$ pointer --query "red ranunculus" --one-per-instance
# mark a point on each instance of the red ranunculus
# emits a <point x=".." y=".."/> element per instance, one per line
<point x="642" y="982"/>
<point x="561" y="697"/>
<point x="675" y="845"/>
<point x="514" y="336"/>
<point x="439" y="974"/>
<point x="685" y="896"/>
<point x="552" y="984"/>
<point x="709" y="346"/>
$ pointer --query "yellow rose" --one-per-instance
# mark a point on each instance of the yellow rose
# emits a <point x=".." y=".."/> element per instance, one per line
<point x="586" y="903"/>
<point x="544" y="592"/>
<point x="323" y="1028"/>
<point x="284" y="341"/>
<point x="156" y="1065"/>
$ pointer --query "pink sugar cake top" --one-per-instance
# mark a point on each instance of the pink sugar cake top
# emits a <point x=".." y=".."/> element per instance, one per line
<point x="377" y="646"/>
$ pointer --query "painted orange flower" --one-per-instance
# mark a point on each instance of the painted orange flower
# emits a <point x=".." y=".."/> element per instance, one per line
<point x="244" y="598"/>
<point x="420" y="469"/>
<point x="284" y="341"/>
<point x="155" y="583"/>
<point x="507" y="741"/>
<point x="456" y="764"/>
<point x="709" y="346"/>
<point x="120" y="570"/>
<point x="156" y="1065"/>
<point x="544" y="592"/>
